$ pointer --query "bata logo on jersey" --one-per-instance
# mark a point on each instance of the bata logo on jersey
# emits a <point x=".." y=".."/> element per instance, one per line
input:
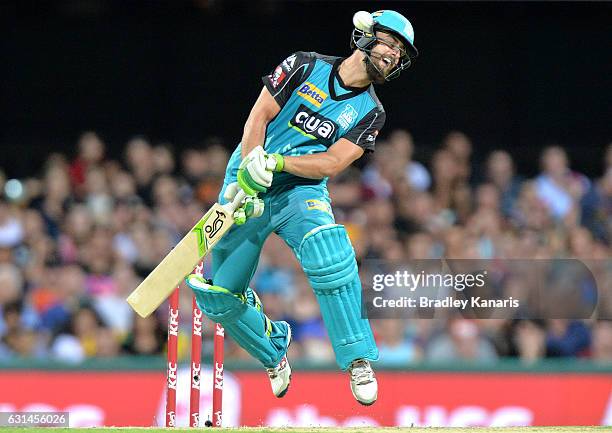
<point x="312" y="94"/>
<point x="312" y="124"/>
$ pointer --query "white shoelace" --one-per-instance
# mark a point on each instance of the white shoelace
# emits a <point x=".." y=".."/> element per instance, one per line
<point x="273" y="372"/>
<point x="361" y="372"/>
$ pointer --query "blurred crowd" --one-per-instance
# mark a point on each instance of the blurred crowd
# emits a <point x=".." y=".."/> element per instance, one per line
<point x="78" y="237"/>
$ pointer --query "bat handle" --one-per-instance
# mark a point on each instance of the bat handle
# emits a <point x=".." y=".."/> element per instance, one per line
<point x="235" y="204"/>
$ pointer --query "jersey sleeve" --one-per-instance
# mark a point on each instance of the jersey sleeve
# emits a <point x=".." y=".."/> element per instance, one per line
<point x="364" y="133"/>
<point x="284" y="79"/>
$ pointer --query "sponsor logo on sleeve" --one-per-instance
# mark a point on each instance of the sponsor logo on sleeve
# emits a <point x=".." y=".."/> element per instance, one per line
<point x="277" y="76"/>
<point x="312" y="124"/>
<point x="312" y="94"/>
<point x="289" y="62"/>
<point x="348" y="115"/>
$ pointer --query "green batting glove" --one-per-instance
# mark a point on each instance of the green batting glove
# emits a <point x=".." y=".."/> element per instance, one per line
<point x="239" y="216"/>
<point x="248" y="184"/>
<point x="253" y="207"/>
<point x="275" y="162"/>
<point x="254" y="176"/>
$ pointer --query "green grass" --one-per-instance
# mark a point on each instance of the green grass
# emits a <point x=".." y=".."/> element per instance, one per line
<point x="580" y="429"/>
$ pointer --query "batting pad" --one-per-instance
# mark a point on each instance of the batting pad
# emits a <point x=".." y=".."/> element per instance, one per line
<point x="244" y="321"/>
<point x="328" y="260"/>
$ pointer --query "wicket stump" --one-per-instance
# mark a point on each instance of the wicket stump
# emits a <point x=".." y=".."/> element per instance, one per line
<point x="196" y="366"/>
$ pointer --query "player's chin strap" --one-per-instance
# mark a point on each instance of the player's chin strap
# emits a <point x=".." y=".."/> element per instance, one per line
<point x="365" y="42"/>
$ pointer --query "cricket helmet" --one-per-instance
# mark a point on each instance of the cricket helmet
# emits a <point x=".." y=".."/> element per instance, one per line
<point x="387" y="21"/>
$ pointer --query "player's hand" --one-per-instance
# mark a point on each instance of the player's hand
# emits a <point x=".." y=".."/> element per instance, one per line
<point x="251" y="207"/>
<point x="253" y="176"/>
<point x="256" y="170"/>
<point x="275" y="162"/>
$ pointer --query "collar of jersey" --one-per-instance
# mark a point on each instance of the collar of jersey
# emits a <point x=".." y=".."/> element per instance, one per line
<point x="352" y="91"/>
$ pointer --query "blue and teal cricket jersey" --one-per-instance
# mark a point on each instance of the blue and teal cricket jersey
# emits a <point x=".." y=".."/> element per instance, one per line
<point x="317" y="109"/>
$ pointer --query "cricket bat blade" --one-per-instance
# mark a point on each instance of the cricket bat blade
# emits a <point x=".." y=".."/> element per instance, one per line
<point x="183" y="258"/>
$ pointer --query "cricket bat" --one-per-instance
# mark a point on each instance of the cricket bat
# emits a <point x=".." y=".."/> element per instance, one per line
<point x="184" y="257"/>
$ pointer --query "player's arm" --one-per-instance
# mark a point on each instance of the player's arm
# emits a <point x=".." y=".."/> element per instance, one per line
<point x="325" y="164"/>
<point x="265" y="109"/>
<point x="278" y="87"/>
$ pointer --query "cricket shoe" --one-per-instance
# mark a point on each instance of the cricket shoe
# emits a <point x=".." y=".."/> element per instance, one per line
<point x="363" y="382"/>
<point x="280" y="376"/>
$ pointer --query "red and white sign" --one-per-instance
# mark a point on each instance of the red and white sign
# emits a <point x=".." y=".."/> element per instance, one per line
<point x="405" y="398"/>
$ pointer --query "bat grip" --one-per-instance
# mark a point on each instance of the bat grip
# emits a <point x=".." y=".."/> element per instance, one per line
<point x="235" y="204"/>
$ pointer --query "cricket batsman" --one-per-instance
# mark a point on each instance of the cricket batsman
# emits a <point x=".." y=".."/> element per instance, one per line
<point x="315" y="115"/>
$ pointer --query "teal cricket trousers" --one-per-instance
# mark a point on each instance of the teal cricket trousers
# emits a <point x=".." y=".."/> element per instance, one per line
<point x="301" y="215"/>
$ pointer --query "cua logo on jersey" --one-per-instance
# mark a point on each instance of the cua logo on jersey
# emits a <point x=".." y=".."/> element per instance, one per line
<point x="312" y="94"/>
<point x="312" y="124"/>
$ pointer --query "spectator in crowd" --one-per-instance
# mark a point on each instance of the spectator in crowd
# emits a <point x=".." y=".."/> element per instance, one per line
<point x="528" y="340"/>
<point x="79" y="338"/>
<point x="163" y="159"/>
<point x="380" y="176"/>
<point x="98" y="199"/>
<point x="84" y="234"/>
<point x="57" y="195"/>
<point x="140" y="161"/>
<point x="11" y="282"/>
<point x="597" y="203"/>
<point x="560" y="188"/>
<point x="19" y="338"/>
<point x="602" y="341"/>
<point x="11" y="228"/>
<point x="394" y="347"/>
<point x="463" y="342"/>
<point x="147" y="337"/>
<point x="348" y="192"/>
<point x="459" y="147"/>
<point x="450" y="187"/>
<point x="501" y="173"/>
<point x="2" y="179"/>
<point x="401" y="146"/>
<point x="567" y="338"/>
<point x="91" y="150"/>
